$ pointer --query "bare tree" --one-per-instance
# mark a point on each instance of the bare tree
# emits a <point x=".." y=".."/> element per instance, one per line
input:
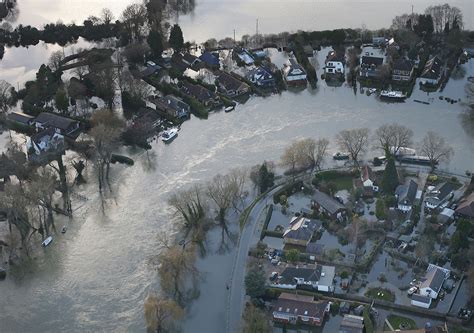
<point x="106" y="131"/>
<point x="354" y="142"/>
<point x="107" y="16"/>
<point x="391" y="137"/>
<point x="435" y="148"/>
<point x="238" y="176"/>
<point x="134" y="18"/>
<point x="444" y="15"/>
<point x="161" y="315"/>
<point x="5" y="96"/>
<point x="55" y="60"/>
<point x="291" y="158"/>
<point x="255" y="320"/>
<point x="190" y="207"/>
<point x="176" y="267"/>
<point x="311" y="153"/>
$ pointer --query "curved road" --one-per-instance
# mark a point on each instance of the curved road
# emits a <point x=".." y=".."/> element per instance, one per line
<point x="250" y="235"/>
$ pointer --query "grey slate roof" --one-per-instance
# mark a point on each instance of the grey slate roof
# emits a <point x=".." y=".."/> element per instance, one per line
<point x="329" y="204"/>
<point x="53" y="120"/>
<point x="421" y="299"/>
<point x="407" y="193"/>
<point x="305" y="232"/>
<point x="229" y="82"/>
<point x="369" y="61"/>
<point x="197" y="91"/>
<point x="434" y="279"/>
<point x="352" y="324"/>
<point x="308" y="274"/>
<point x="21" y="118"/>
<point x="403" y="65"/>
<point x="300" y="306"/>
<point x="432" y="69"/>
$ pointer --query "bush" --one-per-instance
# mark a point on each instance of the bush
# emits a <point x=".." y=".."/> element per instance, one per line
<point x="267" y="220"/>
<point x="380" y="210"/>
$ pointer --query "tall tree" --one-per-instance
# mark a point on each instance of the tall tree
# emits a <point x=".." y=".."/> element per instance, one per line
<point x="390" y="177"/>
<point x="255" y="282"/>
<point x="61" y="100"/>
<point x="176" y="39"/>
<point x="134" y="18"/>
<point x="435" y="148"/>
<point x="391" y="137"/>
<point x="161" y="315"/>
<point x="6" y="96"/>
<point x="353" y="141"/>
<point x="155" y="41"/>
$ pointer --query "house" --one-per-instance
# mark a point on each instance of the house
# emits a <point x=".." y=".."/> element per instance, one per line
<point x="379" y="41"/>
<point x="406" y="195"/>
<point x="327" y="205"/>
<point x="439" y="195"/>
<point x="66" y="126"/>
<point x="446" y="216"/>
<point x="421" y="301"/>
<point x="431" y="72"/>
<point x="352" y="324"/>
<point x="261" y="77"/>
<point x="320" y="278"/>
<point x="300" y="231"/>
<point x="210" y="60"/>
<point x="172" y="105"/>
<point x="433" y="281"/>
<point x="205" y="96"/>
<point x="466" y="207"/>
<point x="191" y="60"/>
<point x="294" y="73"/>
<point x="293" y="309"/>
<point x="402" y="70"/>
<point x="230" y="86"/>
<point x="149" y="71"/>
<point x="367" y="176"/>
<point x="21" y="118"/>
<point x="45" y="146"/>
<point x="370" y="62"/>
<point x="245" y="57"/>
<point x="334" y="63"/>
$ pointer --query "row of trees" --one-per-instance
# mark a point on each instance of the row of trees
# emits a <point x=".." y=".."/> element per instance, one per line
<point x="390" y="138"/>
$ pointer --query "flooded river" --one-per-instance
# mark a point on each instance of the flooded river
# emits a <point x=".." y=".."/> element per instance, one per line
<point x="95" y="277"/>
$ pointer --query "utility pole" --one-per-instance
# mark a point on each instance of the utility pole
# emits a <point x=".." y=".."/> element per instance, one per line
<point x="234" y="37"/>
<point x="256" y="38"/>
<point x="412" y="17"/>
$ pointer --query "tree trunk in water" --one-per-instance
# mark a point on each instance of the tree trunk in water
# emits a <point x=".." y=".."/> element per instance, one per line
<point x="64" y="188"/>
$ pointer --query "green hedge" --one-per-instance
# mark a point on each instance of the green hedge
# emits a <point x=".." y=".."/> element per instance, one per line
<point x="267" y="220"/>
<point x="271" y="233"/>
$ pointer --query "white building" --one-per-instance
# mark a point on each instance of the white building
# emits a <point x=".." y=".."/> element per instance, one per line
<point x="294" y="73"/>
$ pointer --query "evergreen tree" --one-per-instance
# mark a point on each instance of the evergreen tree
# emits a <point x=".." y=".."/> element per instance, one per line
<point x="265" y="178"/>
<point x="390" y="177"/>
<point x="176" y="37"/>
<point x="255" y="282"/>
<point x="155" y="42"/>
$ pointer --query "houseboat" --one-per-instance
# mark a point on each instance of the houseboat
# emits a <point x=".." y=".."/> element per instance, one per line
<point x="169" y="135"/>
<point x="415" y="159"/>
<point x="392" y="95"/>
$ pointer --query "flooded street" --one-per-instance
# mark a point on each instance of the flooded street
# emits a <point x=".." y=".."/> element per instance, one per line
<point x="96" y="276"/>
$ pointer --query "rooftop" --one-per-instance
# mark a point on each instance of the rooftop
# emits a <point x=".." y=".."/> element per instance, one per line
<point x="329" y="204"/>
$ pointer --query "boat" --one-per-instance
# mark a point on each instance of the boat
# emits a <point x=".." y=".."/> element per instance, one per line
<point x="47" y="241"/>
<point x="340" y="156"/>
<point x="402" y="151"/>
<point x="169" y="135"/>
<point x="63" y="230"/>
<point x="372" y="90"/>
<point x="415" y="159"/>
<point x="229" y="108"/>
<point x="393" y="95"/>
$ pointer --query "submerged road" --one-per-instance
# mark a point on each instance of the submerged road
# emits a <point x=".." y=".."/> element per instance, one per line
<point x="249" y="236"/>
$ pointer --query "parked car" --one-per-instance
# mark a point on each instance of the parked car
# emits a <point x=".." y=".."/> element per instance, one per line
<point x="412" y="290"/>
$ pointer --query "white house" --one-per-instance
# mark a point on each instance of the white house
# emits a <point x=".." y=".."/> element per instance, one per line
<point x="294" y="73"/>
<point x="45" y="146"/>
<point x="406" y="195"/>
<point x="439" y="195"/>
<point x="421" y="301"/>
<point x="334" y="67"/>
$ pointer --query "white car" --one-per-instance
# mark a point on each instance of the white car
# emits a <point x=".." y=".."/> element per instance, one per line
<point x="412" y="290"/>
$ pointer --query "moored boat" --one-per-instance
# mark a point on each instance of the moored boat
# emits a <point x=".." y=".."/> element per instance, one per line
<point x="415" y="159"/>
<point x="169" y="135"/>
<point x="47" y="241"/>
<point x="393" y="95"/>
<point x="340" y="156"/>
<point x="229" y="108"/>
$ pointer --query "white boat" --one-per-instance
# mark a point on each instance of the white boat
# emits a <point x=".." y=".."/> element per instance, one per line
<point x="169" y="135"/>
<point x="47" y="241"/>
<point x="372" y="90"/>
<point x="229" y="108"/>
<point x="403" y="151"/>
<point x="394" y="95"/>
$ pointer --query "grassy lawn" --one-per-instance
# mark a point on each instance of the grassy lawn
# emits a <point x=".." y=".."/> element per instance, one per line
<point x="396" y="321"/>
<point x="380" y="293"/>
<point x="343" y="183"/>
